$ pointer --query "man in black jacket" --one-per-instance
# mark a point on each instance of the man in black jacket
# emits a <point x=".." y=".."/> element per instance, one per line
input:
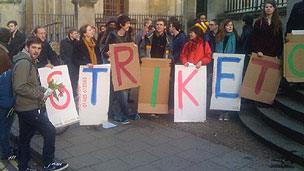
<point x="66" y="54"/>
<point x="47" y="56"/>
<point x="295" y="21"/>
<point x="17" y="39"/>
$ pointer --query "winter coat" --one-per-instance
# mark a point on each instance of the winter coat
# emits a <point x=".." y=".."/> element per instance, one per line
<point x="16" y="44"/>
<point x="81" y="54"/>
<point x="26" y="84"/>
<point x="149" y="41"/>
<point x="66" y="50"/>
<point x="264" y="40"/>
<point x="46" y="54"/>
<point x="113" y="38"/>
<point x="178" y="43"/>
<point x="245" y="41"/>
<point x="195" y="51"/>
<point x="6" y="98"/>
<point x="295" y="21"/>
<point x="4" y="59"/>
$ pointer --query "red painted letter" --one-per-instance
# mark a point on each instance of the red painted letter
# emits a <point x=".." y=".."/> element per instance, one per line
<point x="120" y="65"/>
<point x="265" y="66"/>
<point x="68" y="99"/>
<point x="182" y="88"/>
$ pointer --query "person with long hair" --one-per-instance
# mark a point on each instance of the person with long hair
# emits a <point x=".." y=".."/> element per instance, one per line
<point x="267" y="38"/>
<point x="226" y="42"/>
<point x="86" y="52"/>
<point x="227" y="38"/>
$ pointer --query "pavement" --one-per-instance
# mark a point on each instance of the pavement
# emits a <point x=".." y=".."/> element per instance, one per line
<point x="146" y="145"/>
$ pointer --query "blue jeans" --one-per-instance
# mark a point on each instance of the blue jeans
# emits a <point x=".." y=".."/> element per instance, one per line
<point x="5" y="129"/>
<point x="29" y="123"/>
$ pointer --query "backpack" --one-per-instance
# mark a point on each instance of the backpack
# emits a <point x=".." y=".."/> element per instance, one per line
<point x="7" y="98"/>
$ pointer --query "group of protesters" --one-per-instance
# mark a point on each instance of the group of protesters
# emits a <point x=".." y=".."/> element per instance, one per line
<point x="157" y="39"/>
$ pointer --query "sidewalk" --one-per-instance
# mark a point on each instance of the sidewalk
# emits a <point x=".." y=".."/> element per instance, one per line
<point x="145" y="145"/>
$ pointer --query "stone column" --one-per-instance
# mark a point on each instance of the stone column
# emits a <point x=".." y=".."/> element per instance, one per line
<point x="86" y="12"/>
<point x="189" y="13"/>
<point x="28" y="16"/>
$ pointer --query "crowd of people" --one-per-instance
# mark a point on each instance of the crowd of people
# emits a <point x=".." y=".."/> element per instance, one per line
<point x="20" y="57"/>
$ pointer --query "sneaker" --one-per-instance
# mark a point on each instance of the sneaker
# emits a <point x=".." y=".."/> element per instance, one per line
<point x="226" y="116"/>
<point x="221" y="117"/>
<point x="134" y="116"/>
<point x="56" y="166"/>
<point x="123" y="121"/>
<point x="11" y="157"/>
<point x="154" y="116"/>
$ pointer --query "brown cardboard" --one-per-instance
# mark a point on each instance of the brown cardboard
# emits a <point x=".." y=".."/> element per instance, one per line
<point x="128" y="65"/>
<point x="147" y="79"/>
<point x="271" y="82"/>
<point x="294" y="58"/>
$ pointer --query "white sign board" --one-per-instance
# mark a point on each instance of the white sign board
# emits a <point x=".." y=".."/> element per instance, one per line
<point x="60" y="105"/>
<point x="190" y="94"/>
<point x="227" y="80"/>
<point x="94" y="94"/>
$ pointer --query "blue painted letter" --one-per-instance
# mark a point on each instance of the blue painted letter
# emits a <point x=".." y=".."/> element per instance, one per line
<point x="95" y="72"/>
<point x="220" y="76"/>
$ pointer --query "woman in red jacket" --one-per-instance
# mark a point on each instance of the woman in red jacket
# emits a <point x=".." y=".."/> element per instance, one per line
<point x="196" y="51"/>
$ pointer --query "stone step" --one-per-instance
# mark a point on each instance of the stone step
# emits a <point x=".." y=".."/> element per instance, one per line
<point x="290" y="149"/>
<point x="291" y="106"/>
<point x="282" y="122"/>
<point x="295" y="93"/>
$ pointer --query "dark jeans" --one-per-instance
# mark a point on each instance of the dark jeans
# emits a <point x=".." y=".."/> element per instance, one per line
<point x="171" y="87"/>
<point x="119" y="106"/>
<point x="209" y="87"/>
<point x="5" y="129"/>
<point x="29" y="122"/>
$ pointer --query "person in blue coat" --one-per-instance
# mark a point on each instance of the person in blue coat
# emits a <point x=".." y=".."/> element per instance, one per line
<point x="6" y="97"/>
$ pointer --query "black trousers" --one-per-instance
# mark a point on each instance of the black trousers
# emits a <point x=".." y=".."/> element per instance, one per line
<point x="29" y="123"/>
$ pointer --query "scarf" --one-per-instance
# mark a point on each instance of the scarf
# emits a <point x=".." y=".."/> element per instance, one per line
<point x="230" y="44"/>
<point x="90" y="44"/>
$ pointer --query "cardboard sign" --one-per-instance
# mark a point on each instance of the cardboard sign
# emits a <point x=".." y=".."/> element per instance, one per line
<point x="154" y="87"/>
<point x="94" y="94"/>
<point x="227" y="79"/>
<point x="125" y="65"/>
<point x="190" y="88"/>
<point x="262" y="79"/>
<point x="294" y="58"/>
<point x="60" y="106"/>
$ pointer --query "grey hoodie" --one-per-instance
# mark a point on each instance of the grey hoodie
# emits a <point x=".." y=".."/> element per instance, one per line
<point x="26" y="84"/>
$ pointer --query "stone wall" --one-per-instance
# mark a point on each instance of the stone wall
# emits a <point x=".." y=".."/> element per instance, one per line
<point x="10" y="12"/>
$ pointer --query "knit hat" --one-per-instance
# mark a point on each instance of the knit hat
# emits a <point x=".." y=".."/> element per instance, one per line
<point x="203" y="26"/>
<point x="111" y="19"/>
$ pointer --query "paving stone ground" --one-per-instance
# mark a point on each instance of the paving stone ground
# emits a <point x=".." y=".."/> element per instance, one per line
<point x="146" y="145"/>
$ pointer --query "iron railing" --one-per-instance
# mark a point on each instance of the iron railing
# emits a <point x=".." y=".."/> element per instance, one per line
<point x="242" y="6"/>
<point x="56" y="25"/>
<point x="137" y="20"/>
